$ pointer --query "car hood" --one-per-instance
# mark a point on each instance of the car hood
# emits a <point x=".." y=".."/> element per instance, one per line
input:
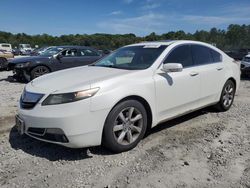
<point x="29" y="59"/>
<point x="74" y="79"/>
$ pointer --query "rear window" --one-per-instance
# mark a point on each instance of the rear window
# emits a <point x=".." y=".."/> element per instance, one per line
<point x="6" y="45"/>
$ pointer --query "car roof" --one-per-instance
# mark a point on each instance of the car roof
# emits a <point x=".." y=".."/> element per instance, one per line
<point x="169" y="42"/>
<point x="72" y="46"/>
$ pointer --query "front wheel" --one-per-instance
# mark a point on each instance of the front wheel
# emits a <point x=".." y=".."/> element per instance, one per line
<point x="227" y="96"/>
<point x="125" y="126"/>
<point x="38" y="71"/>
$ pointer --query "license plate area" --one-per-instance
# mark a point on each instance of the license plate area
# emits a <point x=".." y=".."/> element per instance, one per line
<point x="20" y="125"/>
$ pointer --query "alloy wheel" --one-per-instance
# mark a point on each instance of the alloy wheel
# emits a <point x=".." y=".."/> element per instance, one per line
<point x="128" y="126"/>
<point x="40" y="71"/>
<point x="228" y="95"/>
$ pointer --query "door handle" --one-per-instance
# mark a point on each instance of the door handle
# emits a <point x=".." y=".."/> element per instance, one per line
<point x="219" y="68"/>
<point x="194" y="73"/>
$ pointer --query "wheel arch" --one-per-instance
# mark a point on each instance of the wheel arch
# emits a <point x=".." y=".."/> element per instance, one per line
<point x="37" y="65"/>
<point x="233" y="80"/>
<point x="143" y="102"/>
<point x="4" y="58"/>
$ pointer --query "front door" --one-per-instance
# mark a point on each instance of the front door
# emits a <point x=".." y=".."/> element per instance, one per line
<point x="178" y="92"/>
<point x="68" y="59"/>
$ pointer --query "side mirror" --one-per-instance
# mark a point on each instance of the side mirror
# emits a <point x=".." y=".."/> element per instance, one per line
<point x="59" y="56"/>
<point x="172" y="67"/>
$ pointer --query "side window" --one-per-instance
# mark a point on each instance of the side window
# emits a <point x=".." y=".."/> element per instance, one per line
<point x="216" y="56"/>
<point x="201" y="55"/>
<point x="87" y="52"/>
<point x="181" y="54"/>
<point x="69" y="53"/>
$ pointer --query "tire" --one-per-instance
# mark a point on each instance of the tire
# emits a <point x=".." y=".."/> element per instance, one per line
<point x="227" y="96"/>
<point x="39" y="71"/>
<point x="3" y="60"/>
<point x="123" y="131"/>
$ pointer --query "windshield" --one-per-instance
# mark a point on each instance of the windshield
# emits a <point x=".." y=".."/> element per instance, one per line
<point x="51" y="51"/>
<point x="133" y="57"/>
<point x="25" y="46"/>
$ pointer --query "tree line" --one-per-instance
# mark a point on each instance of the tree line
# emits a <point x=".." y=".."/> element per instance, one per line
<point x="234" y="37"/>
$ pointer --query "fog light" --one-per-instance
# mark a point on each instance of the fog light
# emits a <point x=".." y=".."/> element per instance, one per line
<point x="54" y="131"/>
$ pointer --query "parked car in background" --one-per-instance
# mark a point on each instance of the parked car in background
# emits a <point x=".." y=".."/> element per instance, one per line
<point x="25" y="49"/>
<point x="54" y="59"/>
<point x="4" y="56"/>
<point x="238" y="54"/>
<point x="115" y="100"/>
<point x="245" y="66"/>
<point x="16" y="51"/>
<point x="6" y="47"/>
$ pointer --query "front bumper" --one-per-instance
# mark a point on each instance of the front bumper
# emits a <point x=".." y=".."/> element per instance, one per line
<point x="22" y="73"/>
<point x="80" y="126"/>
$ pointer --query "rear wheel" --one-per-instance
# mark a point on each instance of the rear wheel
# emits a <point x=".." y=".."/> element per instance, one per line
<point x="39" y="71"/>
<point x="125" y="126"/>
<point x="227" y="96"/>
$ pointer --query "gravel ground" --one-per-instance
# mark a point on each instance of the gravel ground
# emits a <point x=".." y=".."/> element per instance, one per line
<point x="202" y="149"/>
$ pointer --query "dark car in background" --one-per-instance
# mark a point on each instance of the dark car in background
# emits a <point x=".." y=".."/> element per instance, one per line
<point x="54" y="59"/>
<point x="245" y="66"/>
<point x="238" y="54"/>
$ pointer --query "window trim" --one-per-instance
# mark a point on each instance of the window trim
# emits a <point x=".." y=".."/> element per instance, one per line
<point x="194" y="65"/>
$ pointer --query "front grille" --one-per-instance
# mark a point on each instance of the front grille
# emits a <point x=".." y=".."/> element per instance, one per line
<point x="36" y="131"/>
<point x="11" y="66"/>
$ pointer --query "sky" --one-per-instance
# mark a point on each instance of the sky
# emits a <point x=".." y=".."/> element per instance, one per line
<point x="141" y="17"/>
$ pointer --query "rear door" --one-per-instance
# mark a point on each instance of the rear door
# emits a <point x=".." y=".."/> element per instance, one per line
<point x="212" y="72"/>
<point x="87" y="56"/>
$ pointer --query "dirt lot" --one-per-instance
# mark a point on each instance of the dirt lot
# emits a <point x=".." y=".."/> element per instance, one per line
<point x="202" y="149"/>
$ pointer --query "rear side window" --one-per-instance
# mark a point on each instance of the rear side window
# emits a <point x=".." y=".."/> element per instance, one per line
<point x="216" y="56"/>
<point x="88" y="52"/>
<point x="6" y="45"/>
<point x="181" y="54"/>
<point x="202" y="55"/>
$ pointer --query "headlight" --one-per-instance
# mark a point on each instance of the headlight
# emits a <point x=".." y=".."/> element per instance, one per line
<point x="69" y="97"/>
<point x="22" y="65"/>
<point x="29" y="97"/>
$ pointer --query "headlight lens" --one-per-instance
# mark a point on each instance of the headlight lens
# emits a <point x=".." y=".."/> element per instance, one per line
<point x="22" y="65"/>
<point x="69" y="97"/>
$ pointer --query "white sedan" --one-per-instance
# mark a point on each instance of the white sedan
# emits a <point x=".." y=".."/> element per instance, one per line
<point x="114" y="101"/>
